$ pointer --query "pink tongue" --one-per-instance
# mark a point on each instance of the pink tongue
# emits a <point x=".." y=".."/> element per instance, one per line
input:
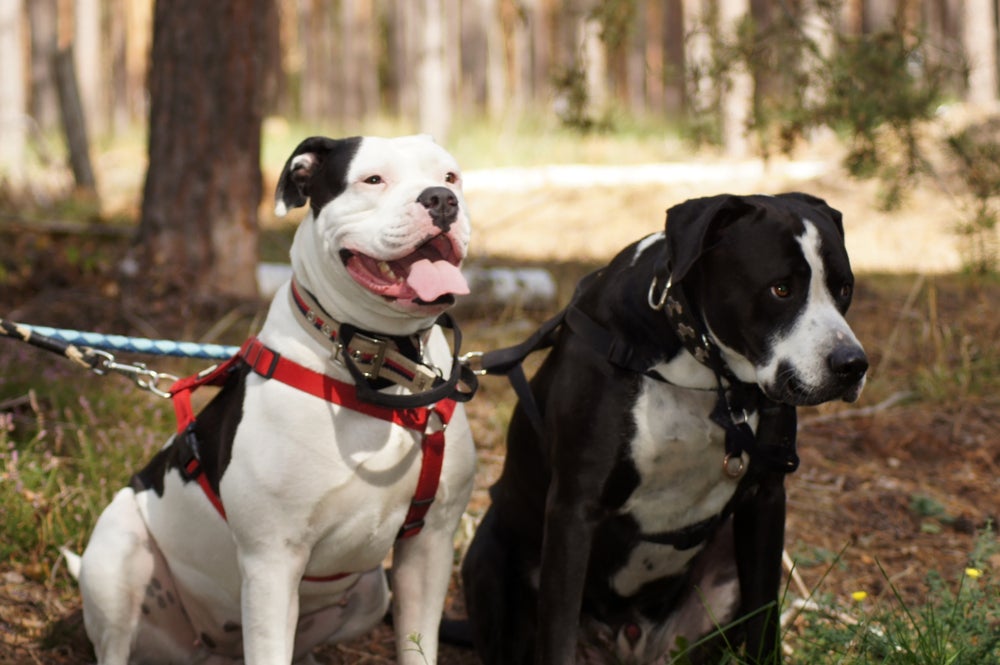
<point x="433" y="280"/>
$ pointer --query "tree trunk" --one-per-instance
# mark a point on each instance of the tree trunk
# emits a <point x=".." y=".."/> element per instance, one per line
<point x="433" y="86"/>
<point x="979" y="36"/>
<point x="523" y="24"/>
<point x="74" y="122"/>
<point x="139" y="22"/>
<point x="406" y="57"/>
<point x="497" y="89"/>
<point x="44" y="43"/>
<point x="198" y="233"/>
<point x="737" y="95"/>
<point x="636" y="66"/>
<point x="594" y="54"/>
<point x="319" y="67"/>
<point x="698" y="52"/>
<point x="12" y="99"/>
<point x="119" y="112"/>
<point x="88" y="49"/>
<point x="358" y="64"/>
<point x="674" y="53"/>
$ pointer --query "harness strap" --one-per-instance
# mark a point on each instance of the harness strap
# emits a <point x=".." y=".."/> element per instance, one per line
<point x="689" y="536"/>
<point x="509" y="361"/>
<point x="269" y="364"/>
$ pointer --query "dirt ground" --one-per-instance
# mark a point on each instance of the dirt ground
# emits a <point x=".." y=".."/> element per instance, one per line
<point x="887" y="482"/>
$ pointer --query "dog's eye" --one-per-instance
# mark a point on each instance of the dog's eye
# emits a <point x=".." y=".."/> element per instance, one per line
<point x="781" y="290"/>
<point x="450" y="177"/>
<point x="846" y="291"/>
<point x="373" y="180"/>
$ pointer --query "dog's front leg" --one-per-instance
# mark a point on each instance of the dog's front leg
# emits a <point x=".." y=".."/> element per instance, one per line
<point x="759" y="531"/>
<point x="421" y="570"/>
<point x="569" y="531"/>
<point x="270" y="603"/>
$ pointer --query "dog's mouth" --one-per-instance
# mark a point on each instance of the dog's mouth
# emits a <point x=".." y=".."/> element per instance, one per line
<point x="793" y="391"/>
<point x="429" y="275"/>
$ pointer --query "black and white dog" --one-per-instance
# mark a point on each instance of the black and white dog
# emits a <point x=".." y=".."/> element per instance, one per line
<point x="260" y="530"/>
<point x="641" y="506"/>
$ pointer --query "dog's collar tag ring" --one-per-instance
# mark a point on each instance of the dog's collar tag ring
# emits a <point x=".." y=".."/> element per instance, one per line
<point x="656" y="304"/>
<point x="733" y="465"/>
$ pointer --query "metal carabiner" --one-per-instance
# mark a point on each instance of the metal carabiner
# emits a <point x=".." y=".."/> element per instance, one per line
<point x="142" y="376"/>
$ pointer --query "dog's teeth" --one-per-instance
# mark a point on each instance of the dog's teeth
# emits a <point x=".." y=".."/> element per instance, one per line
<point x="384" y="268"/>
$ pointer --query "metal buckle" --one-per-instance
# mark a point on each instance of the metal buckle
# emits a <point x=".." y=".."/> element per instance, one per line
<point x="442" y="423"/>
<point x="378" y="357"/>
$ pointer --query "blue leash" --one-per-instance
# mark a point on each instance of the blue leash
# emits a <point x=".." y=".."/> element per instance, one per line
<point x="92" y="351"/>
<point x="153" y="347"/>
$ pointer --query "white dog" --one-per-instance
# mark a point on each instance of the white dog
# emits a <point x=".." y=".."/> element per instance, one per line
<point x="260" y="530"/>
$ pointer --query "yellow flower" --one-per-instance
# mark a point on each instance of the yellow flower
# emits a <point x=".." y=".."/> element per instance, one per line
<point x="974" y="573"/>
<point x="859" y="595"/>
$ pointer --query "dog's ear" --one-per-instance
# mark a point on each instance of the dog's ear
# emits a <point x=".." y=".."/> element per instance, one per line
<point x="315" y="170"/>
<point x="818" y="204"/>
<point x="691" y="226"/>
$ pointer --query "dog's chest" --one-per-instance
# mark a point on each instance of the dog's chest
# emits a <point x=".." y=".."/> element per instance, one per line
<point x="343" y="478"/>
<point x="677" y="452"/>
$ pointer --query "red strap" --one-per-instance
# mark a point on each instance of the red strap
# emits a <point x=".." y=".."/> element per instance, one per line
<point x="181" y="391"/>
<point x="430" y="473"/>
<point x="193" y="469"/>
<point x="270" y="365"/>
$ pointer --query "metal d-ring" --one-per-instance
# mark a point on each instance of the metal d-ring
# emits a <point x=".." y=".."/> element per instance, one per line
<point x="733" y="465"/>
<point x="657" y="305"/>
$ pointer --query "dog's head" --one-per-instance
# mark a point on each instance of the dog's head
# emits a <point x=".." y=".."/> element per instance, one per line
<point x="387" y="230"/>
<point x="773" y="282"/>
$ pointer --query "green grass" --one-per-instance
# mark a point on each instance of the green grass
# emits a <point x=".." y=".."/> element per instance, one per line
<point x="68" y="441"/>
<point x="959" y="624"/>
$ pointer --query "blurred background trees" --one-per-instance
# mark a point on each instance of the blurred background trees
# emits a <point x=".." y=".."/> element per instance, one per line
<point x="749" y="76"/>
<point x="430" y="61"/>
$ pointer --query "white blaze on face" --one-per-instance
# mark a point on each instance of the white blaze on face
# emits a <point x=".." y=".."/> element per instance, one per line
<point x="819" y="328"/>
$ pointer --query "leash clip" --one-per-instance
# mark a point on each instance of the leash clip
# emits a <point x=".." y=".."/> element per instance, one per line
<point x="142" y="376"/>
<point x="474" y="361"/>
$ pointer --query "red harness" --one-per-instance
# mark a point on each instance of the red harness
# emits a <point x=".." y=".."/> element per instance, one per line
<point x="270" y="365"/>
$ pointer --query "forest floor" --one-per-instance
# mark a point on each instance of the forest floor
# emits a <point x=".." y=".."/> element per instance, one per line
<point x="890" y="490"/>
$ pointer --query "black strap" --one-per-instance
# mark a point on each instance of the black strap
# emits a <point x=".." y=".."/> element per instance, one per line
<point x="502" y="361"/>
<point x="84" y="356"/>
<point x="689" y="536"/>
<point x="460" y="386"/>
<point x="509" y="361"/>
<point x="605" y="343"/>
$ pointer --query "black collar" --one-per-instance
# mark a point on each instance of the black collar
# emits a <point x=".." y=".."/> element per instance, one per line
<point x="737" y="399"/>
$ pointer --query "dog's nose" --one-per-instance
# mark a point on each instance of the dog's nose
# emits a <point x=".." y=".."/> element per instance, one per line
<point x="849" y="363"/>
<point x="442" y="204"/>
